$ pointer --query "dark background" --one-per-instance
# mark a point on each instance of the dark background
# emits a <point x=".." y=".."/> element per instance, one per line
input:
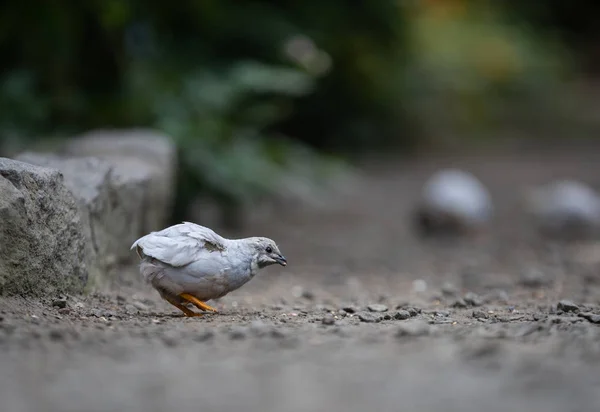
<point x="277" y="83"/>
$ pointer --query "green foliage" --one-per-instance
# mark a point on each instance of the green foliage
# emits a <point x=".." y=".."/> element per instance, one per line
<point x="219" y="122"/>
<point x="470" y="69"/>
<point x="256" y="92"/>
<point x="244" y="88"/>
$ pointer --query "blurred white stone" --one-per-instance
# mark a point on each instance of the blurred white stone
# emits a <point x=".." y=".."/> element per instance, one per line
<point x="297" y="291"/>
<point x="419" y="286"/>
<point x="566" y="209"/>
<point x="454" y="201"/>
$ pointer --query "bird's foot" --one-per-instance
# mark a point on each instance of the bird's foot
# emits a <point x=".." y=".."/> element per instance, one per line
<point x="187" y="312"/>
<point x="191" y="314"/>
<point x="196" y="302"/>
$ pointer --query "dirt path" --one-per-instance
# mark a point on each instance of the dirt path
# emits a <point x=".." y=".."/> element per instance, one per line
<point x="366" y="316"/>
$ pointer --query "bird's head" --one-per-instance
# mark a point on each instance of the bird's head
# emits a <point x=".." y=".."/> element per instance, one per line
<point x="267" y="252"/>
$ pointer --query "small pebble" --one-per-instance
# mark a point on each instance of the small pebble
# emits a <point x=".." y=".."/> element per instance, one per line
<point x="377" y="307"/>
<point x="497" y="295"/>
<point x="419" y="286"/>
<point x="567" y="306"/>
<point x="140" y="306"/>
<point x="64" y="311"/>
<point x="297" y="291"/>
<point x="402" y="315"/>
<point x="368" y="317"/>
<point x="413" y="311"/>
<point x="473" y="299"/>
<point x="97" y="313"/>
<point x="131" y="309"/>
<point x="593" y="318"/>
<point x="350" y="309"/>
<point x="448" y="289"/>
<point x="534" y="278"/>
<point x="60" y="303"/>
<point x="479" y="314"/>
<point x="328" y="320"/>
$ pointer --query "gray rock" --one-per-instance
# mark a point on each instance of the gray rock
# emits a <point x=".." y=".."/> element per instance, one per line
<point x="60" y="303"/>
<point x="328" y="320"/>
<point x="413" y="311"/>
<point x="131" y="309"/>
<point x="110" y="205"/>
<point x="377" y="307"/>
<point x="368" y="317"/>
<point x="402" y="315"/>
<point x="479" y="314"/>
<point x="43" y="246"/>
<point x="567" y="306"/>
<point x="139" y="156"/>
<point x="591" y="317"/>
<point x="350" y="309"/>
<point x="496" y="295"/>
<point x="140" y="306"/>
<point x="448" y="289"/>
<point x="472" y="299"/>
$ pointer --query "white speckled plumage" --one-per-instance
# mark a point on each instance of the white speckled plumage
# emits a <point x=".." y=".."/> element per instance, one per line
<point x="193" y="259"/>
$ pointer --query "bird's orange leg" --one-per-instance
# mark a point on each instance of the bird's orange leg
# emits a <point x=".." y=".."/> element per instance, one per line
<point x="186" y="311"/>
<point x="196" y="302"/>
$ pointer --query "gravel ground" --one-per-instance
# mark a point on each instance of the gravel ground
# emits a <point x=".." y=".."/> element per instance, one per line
<point x="366" y="315"/>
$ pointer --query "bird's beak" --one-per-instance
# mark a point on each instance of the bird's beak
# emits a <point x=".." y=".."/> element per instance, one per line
<point x="281" y="260"/>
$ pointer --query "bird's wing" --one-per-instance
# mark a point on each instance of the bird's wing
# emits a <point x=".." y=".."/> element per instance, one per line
<point x="181" y="244"/>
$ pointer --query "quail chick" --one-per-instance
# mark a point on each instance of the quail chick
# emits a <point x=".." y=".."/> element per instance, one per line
<point x="189" y="263"/>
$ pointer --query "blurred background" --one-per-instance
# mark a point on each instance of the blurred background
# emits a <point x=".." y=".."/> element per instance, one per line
<point x="259" y="94"/>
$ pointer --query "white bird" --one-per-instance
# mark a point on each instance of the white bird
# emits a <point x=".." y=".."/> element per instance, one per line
<point x="191" y="263"/>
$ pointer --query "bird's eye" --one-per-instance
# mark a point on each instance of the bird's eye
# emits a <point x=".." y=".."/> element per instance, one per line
<point x="269" y="249"/>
